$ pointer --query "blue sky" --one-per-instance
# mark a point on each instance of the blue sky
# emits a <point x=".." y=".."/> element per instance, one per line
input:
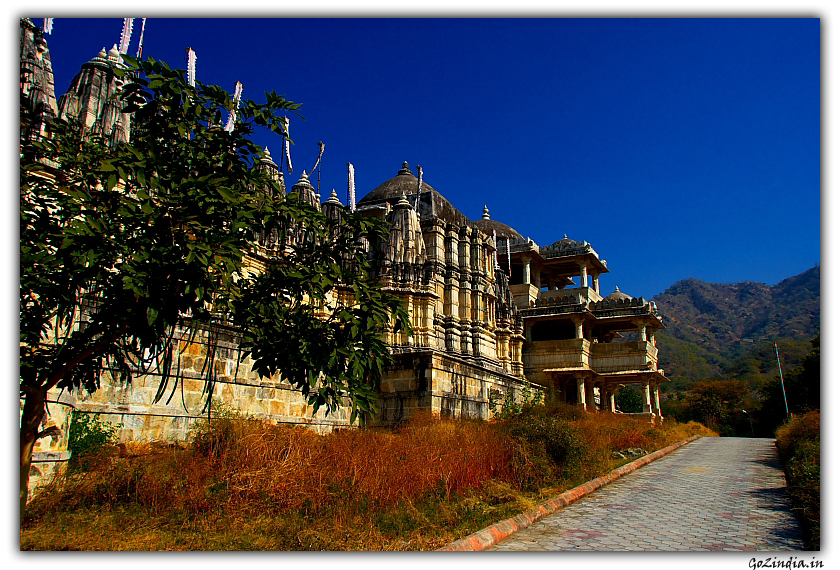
<point x="677" y="147"/>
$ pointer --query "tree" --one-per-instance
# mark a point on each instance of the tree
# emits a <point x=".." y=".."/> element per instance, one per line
<point x="718" y="403"/>
<point x="123" y="244"/>
<point x="802" y="389"/>
<point x="629" y="399"/>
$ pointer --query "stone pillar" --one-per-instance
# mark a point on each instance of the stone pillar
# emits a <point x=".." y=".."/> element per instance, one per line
<point x="590" y="395"/>
<point x="578" y="327"/>
<point x="503" y="344"/>
<point x="612" y="400"/>
<point x="595" y="284"/>
<point x="584" y="275"/>
<point x="642" y="332"/>
<point x="647" y="407"/>
<point x="657" y="409"/>
<point x="526" y="270"/>
<point x="581" y="389"/>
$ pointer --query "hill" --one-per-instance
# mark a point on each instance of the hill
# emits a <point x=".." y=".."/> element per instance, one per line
<point x="719" y="330"/>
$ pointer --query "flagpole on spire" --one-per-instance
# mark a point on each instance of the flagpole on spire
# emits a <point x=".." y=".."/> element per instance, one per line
<point x="140" y="45"/>
<point x="191" y="57"/>
<point x="419" y="186"/>
<point x="318" y="164"/>
<point x="351" y="187"/>
<point x="237" y="94"/>
<point x="320" y="154"/>
<point x="286" y="152"/>
<point x="125" y="38"/>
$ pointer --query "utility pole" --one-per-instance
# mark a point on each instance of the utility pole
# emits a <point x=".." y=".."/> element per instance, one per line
<point x="784" y="394"/>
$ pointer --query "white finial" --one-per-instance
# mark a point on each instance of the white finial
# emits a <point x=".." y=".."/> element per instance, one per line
<point x="486" y="215"/>
<point x="48" y="24"/>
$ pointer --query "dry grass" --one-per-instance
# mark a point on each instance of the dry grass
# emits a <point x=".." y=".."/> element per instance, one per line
<point x="250" y="485"/>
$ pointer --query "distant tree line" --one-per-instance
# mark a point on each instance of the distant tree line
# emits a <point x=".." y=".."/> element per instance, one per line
<point x="748" y="405"/>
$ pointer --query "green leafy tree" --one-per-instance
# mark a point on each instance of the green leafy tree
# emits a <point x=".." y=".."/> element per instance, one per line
<point x="629" y="399"/>
<point x="719" y="403"/>
<point x="122" y="245"/>
<point x="802" y="388"/>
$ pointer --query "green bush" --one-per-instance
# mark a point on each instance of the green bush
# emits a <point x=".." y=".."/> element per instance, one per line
<point x="508" y="406"/>
<point x="550" y="449"/>
<point x="629" y="399"/>
<point x="89" y="434"/>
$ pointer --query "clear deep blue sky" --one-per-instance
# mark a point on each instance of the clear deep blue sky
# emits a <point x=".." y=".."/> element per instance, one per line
<point x="677" y="147"/>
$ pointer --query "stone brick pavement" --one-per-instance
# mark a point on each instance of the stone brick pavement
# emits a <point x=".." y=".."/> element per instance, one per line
<point x="713" y="494"/>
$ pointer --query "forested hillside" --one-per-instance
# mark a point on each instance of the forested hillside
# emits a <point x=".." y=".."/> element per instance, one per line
<point x="726" y="330"/>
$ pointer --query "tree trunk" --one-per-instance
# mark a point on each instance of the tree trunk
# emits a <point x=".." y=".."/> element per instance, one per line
<point x="34" y="409"/>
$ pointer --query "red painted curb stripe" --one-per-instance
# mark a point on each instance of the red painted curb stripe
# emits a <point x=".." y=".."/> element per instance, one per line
<point x="487" y="537"/>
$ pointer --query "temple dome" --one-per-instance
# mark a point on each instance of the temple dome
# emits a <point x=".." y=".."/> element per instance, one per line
<point x="566" y="242"/>
<point x="618" y="295"/>
<point x="503" y="231"/>
<point x="405" y="184"/>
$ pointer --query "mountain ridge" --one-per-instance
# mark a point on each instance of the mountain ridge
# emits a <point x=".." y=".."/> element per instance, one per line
<point x="712" y="328"/>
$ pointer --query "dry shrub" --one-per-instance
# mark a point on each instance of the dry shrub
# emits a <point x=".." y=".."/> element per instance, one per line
<point x="799" y="448"/>
<point x="243" y="467"/>
<point x="240" y="463"/>
<point x="424" y="456"/>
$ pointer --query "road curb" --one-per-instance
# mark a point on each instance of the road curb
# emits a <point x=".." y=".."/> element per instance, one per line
<point x="492" y="534"/>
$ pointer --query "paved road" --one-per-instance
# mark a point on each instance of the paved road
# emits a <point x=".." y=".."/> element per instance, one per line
<point x="713" y="494"/>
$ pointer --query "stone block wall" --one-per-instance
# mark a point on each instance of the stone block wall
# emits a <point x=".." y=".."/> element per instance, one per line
<point x="442" y="384"/>
<point x="133" y="406"/>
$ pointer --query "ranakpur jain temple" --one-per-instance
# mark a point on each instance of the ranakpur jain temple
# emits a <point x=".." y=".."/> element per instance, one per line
<point x="491" y="311"/>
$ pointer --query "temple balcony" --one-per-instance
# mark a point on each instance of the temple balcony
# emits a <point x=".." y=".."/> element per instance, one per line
<point x="556" y="302"/>
<point x="524" y="295"/>
<point x="553" y="354"/>
<point x="619" y="356"/>
<point x="581" y="294"/>
<point x="580" y="353"/>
